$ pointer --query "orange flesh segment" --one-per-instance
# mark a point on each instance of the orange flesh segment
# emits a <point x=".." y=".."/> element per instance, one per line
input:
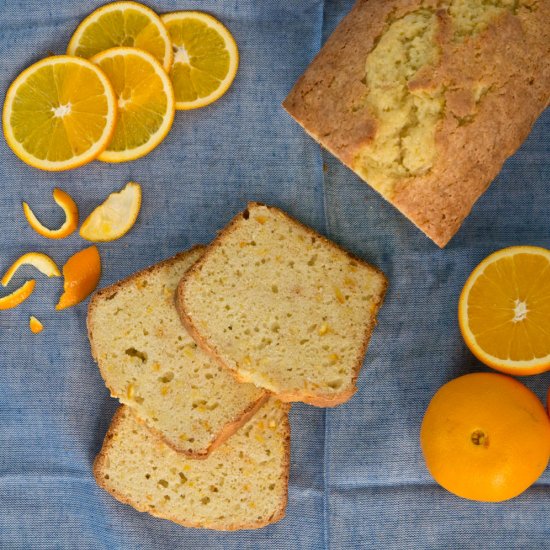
<point x="71" y="213"/>
<point x="17" y="296"/>
<point x="82" y="273"/>
<point x="40" y="261"/>
<point x="35" y="325"/>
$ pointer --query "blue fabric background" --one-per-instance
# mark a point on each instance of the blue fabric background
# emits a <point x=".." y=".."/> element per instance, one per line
<point x="357" y="477"/>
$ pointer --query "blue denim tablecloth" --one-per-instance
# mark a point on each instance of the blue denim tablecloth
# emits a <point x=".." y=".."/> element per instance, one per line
<point x="357" y="477"/>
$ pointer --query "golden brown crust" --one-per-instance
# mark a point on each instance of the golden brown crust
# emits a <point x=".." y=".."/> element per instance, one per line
<point x="473" y="139"/>
<point x="99" y="461"/>
<point x="316" y="399"/>
<point x="230" y="428"/>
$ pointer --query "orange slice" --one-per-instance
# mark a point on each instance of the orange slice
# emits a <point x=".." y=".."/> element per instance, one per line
<point x="115" y="217"/>
<point x="82" y="272"/>
<point x="60" y="113"/>
<point x="71" y="217"/>
<point x="17" y="296"/>
<point x="122" y="24"/>
<point x="35" y="325"/>
<point x="146" y="104"/>
<point x="42" y="262"/>
<point x="206" y="58"/>
<point x="504" y="310"/>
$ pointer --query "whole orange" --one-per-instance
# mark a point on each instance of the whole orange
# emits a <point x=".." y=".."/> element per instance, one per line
<point x="485" y="437"/>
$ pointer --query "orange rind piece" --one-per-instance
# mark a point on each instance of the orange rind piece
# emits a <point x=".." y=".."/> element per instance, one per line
<point x="40" y="261"/>
<point x="17" y="296"/>
<point x="82" y="273"/>
<point x="115" y="217"/>
<point x="35" y="325"/>
<point x="65" y="201"/>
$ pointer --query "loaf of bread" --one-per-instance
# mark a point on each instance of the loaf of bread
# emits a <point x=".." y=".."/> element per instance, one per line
<point x="426" y="99"/>
<point x="150" y="362"/>
<point x="242" y="485"/>
<point x="282" y="307"/>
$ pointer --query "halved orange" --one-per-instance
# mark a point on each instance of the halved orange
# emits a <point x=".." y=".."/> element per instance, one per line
<point x="82" y="273"/>
<point x="504" y="310"/>
<point x="35" y="325"/>
<point x="17" y="296"/>
<point x="115" y="217"/>
<point x="71" y="217"/>
<point x="60" y="113"/>
<point x="40" y="261"/>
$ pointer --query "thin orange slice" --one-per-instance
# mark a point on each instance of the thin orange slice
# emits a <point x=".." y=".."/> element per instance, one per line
<point x="71" y="214"/>
<point x="42" y="262"/>
<point x="206" y="58"/>
<point x="82" y="272"/>
<point x="17" y="296"/>
<point x="35" y="325"/>
<point x="115" y="217"/>
<point x="146" y="104"/>
<point x="122" y="24"/>
<point x="504" y="310"/>
<point x="60" y="113"/>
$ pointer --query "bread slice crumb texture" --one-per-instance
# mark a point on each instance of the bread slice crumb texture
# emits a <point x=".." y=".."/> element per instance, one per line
<point x="150" y="362"/>
<point x="242" y="485"/>
<point x="282" y="307"/>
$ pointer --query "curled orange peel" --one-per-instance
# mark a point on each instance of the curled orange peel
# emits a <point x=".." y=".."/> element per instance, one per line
<point x="40" y="261"/>
<point x="82" y="273"/>
<point x="71" y="217"/>
<point x="35" y="325"/>
<point x="17" y="296"/>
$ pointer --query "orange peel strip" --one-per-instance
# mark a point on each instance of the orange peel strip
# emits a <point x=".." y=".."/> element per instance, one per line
<point x="65" y="201"/>
<point x="17" y="296"/>
<point x="35" y="325"/>
<point x="40" y="261"/>
<point x="113" y="218"/>
<point x="82" y="273"/>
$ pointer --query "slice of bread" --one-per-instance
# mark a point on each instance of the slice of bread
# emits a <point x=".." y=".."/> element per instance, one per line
<point x="241" y="485"/>
<point x="150" y="362"/>
<point x="282" y="307"/>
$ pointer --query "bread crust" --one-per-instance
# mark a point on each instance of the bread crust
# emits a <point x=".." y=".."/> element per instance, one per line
<point x="231" y="427"/>
<point x="98" y="472"/>
<point x="472" y="140"/>
<point x="318" y="399"/>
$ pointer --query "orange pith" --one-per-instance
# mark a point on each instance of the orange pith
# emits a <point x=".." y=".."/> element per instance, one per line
<point x="485" y="437"/>
<point x="115" y="216"/>
<point x="504" y="310"/>
<point x="17" y="296"/>
<point x="71" y="213"/>
<point x="81" y="272"/>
